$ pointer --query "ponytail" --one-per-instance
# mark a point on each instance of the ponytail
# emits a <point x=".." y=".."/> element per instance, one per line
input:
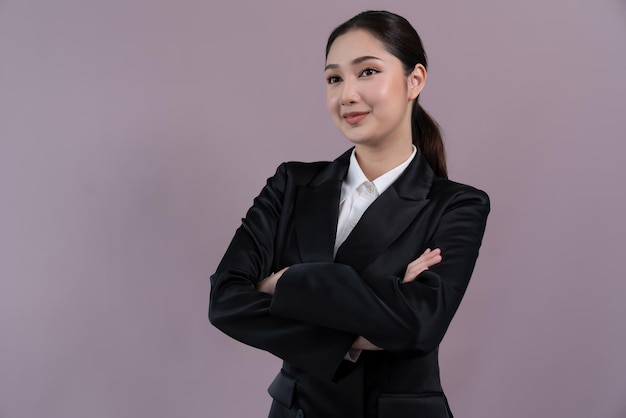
<point x="427" y="137"/>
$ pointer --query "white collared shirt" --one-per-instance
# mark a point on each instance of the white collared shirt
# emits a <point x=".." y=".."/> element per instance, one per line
<point x="358" y="193"/>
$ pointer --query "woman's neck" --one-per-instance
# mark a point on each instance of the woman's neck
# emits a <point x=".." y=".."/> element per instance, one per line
<point x="376" y="161"/>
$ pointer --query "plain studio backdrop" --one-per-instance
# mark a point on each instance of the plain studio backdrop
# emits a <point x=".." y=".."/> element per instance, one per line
<point x="135" y="134"/>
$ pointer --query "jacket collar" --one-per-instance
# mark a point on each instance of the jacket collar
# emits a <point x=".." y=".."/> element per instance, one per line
<point x="317" y="211"/>
<point x="317" y="208"/>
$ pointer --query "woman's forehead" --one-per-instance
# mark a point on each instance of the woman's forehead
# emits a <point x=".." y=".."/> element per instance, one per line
<point x="353" y="44"/>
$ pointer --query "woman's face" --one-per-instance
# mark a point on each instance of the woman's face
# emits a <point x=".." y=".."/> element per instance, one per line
<point x="368" y="94"/>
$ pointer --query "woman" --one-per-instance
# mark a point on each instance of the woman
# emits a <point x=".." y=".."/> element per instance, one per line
<point x="331" y="269"/>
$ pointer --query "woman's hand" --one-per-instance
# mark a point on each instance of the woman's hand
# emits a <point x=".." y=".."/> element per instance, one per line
<point x="268" y="285"/>
<point x="362" y="343"/>
<point x="415" y="267"/>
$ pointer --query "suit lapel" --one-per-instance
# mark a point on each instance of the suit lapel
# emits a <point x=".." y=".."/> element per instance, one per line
<point x="317" y="210"/>
<point x="390" y="215"/>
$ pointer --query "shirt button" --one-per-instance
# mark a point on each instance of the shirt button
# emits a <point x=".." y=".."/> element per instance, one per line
<point x="370" y="189"/>
<point x="352" y="224"/>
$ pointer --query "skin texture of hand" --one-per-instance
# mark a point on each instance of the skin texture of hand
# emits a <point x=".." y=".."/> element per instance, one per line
<point x="268" y="285"/>
<point x="415" y="267"/>
<point x="362" y="343"/>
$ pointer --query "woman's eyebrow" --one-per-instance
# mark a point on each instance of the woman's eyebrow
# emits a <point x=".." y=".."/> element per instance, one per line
<point x="355" y="61"/>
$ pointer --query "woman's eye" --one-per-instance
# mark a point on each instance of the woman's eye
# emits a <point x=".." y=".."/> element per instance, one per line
<point x="333" y="79"/>
<point x="368" y="72"/>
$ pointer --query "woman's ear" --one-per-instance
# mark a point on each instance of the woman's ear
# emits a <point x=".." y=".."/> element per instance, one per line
<point x="416" y="81"/>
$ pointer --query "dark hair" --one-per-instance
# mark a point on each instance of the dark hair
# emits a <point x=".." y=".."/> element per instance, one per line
<point x="401" y="40"/>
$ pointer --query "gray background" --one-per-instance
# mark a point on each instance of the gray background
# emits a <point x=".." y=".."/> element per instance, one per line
<point x="134" y="135"/>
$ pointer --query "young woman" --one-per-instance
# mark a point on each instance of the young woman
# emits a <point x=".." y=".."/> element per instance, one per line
<point x="332" y="268"/>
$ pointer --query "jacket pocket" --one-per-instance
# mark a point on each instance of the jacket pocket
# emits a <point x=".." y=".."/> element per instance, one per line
<point x="282" y="389"/>
<point x="427" y="405"/>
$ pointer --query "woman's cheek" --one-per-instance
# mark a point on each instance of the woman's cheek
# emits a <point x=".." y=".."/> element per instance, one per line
<point x="381" y="92"/>
<point x="331" y="101"/>
<point x="332" y="104"/>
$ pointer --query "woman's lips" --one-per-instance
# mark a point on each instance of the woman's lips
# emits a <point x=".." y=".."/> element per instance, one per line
<point x="353" y="118"/>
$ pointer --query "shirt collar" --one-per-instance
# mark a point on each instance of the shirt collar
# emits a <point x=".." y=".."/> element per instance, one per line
<point x="355" y="176"/>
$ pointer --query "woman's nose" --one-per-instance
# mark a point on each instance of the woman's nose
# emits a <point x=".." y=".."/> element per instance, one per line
<point x="349" y="93"/>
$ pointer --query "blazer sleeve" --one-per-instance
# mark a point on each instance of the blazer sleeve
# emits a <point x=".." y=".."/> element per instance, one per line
<point x="239" y="310"/>
<point x="393" y="315"/>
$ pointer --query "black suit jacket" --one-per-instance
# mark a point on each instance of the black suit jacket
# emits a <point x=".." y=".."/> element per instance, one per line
<point x="321" y="304"/>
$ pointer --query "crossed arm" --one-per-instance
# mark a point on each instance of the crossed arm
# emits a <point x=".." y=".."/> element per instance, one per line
<point x="398" y="314"/>
<point x="427" y="259"/>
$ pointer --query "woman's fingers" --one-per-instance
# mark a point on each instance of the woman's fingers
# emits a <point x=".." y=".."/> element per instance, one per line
<point x="423" y="262"/>
<point x="427" y="259"/>
<point x="363" y="343"/>
<point x="268" y="285"/>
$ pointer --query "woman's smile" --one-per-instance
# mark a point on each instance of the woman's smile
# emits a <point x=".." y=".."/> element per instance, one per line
<point x="353" y="118"/>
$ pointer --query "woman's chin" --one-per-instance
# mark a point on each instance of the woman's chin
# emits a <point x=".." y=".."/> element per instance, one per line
<point x="363" y="141"/>
<point x="358" y="138"/>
